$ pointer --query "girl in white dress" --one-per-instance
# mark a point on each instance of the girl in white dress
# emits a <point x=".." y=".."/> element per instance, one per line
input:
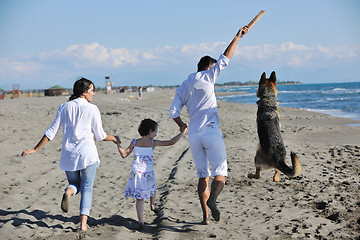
<point x="142" y="182"/>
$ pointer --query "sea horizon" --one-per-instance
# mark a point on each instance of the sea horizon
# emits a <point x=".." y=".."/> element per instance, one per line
<point x="335" y="99"/>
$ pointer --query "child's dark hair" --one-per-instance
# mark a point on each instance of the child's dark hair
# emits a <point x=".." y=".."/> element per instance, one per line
<point x="146" y="125"/>
<point x="80" y="86"/>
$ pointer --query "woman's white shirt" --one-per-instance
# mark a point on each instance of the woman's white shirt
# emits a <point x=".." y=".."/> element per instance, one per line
<point x="81" y="120"/>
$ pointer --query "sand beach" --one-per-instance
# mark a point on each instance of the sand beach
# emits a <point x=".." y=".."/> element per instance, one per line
<point x="322" y="203"/>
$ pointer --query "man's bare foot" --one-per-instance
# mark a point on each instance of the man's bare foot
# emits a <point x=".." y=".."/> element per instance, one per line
<point x="214" y="211"/>
<point x="205" y="221"/>
<point x="65" y="202"/>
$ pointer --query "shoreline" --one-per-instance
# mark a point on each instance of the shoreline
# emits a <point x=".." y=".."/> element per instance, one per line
<point x="229" y="93"/>
<point x="133" y="95"/>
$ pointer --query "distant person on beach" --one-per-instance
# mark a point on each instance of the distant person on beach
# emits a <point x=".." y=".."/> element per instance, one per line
<point x="205" y="138"/>
<point x="79" y="159"/>
<point x="142" y="182"/>
<point x="140" y="89"/>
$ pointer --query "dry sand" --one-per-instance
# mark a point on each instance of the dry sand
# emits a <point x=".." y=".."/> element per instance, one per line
<point x="322" y="203"/>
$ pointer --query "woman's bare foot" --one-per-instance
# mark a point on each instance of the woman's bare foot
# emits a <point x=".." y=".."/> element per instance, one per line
<point x="83" y="222"/>
<point x="83" y="228"/>
<point x="65" y="202"/>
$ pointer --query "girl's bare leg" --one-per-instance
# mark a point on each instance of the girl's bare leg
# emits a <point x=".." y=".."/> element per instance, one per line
<point x="152" y="204"/>
<point x="140" y="212"/>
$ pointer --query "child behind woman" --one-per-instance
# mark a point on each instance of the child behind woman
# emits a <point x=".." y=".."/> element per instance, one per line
<point x="142" y="182"/>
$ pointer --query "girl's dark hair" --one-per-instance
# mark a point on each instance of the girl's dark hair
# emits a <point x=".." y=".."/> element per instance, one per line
<point x="80" y="86"/>
<point x="146" y="125"/>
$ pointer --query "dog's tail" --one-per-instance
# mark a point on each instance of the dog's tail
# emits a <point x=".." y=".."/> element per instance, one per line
<point x="296" y="166"/>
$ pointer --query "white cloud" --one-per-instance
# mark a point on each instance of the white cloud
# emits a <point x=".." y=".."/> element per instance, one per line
<point x="291" y="54"/>
<point x="20" y="67"/>
<point x="339" y="51"/>
<point x="121" y="56"/>
<point x="94" y="57"/>
<point x="80" y="55"/>
<point x="203" y="48"/>
<point x="288" y="54"/>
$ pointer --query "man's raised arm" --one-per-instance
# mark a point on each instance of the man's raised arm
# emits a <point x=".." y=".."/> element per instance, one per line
<point x="230" y="50"/>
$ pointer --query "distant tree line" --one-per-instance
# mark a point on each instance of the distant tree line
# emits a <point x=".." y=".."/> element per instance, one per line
<point x="252" y="83"/>
<point x="248" y="83"/>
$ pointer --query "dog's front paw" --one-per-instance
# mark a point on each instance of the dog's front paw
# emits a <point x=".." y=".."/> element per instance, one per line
<point x="251" y="175"/>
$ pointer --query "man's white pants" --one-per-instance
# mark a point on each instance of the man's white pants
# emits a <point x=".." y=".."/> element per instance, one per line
<point x="206" y="146"/>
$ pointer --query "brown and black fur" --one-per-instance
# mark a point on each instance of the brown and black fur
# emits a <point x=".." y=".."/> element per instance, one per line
<point x="271" y="152"/>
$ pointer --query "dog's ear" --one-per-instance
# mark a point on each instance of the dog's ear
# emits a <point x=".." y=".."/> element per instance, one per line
<point x="273" y="77"/>
<point x="263" y="78"/>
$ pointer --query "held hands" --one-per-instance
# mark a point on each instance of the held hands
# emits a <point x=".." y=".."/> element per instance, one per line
<point x="118" y="141"/>
<point x="184" y="129"/>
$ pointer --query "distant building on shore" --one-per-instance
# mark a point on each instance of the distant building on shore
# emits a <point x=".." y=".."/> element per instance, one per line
<point x="55" y="91"/>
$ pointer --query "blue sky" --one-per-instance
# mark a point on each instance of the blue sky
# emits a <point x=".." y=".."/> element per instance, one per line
<point x="47" y="43"/>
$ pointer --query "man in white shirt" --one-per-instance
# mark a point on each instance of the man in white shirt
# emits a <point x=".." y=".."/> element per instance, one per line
<point x="205" y="138"/>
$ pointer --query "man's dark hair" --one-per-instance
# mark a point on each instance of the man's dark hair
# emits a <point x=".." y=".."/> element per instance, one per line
<point x="205" y="62"/>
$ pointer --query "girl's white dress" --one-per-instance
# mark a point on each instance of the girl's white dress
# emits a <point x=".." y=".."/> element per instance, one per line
<point x="142" y="181"/>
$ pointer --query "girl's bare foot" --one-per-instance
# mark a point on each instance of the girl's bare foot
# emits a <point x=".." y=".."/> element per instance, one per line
<point x="141" y="226"/>
<point x="154" y="209"/>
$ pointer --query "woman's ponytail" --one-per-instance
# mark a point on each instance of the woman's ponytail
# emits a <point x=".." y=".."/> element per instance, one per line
<point x="80" y="86"/>
<point x="72" y="97"/>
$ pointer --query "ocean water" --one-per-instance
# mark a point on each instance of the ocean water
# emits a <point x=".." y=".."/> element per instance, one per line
<point x="335" y="99"/>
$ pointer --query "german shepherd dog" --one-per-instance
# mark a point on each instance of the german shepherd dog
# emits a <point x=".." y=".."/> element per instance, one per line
<point x="271" y="152"/>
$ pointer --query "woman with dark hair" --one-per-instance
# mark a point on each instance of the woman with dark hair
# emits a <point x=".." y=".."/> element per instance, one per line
<point x="79" y="159"/>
